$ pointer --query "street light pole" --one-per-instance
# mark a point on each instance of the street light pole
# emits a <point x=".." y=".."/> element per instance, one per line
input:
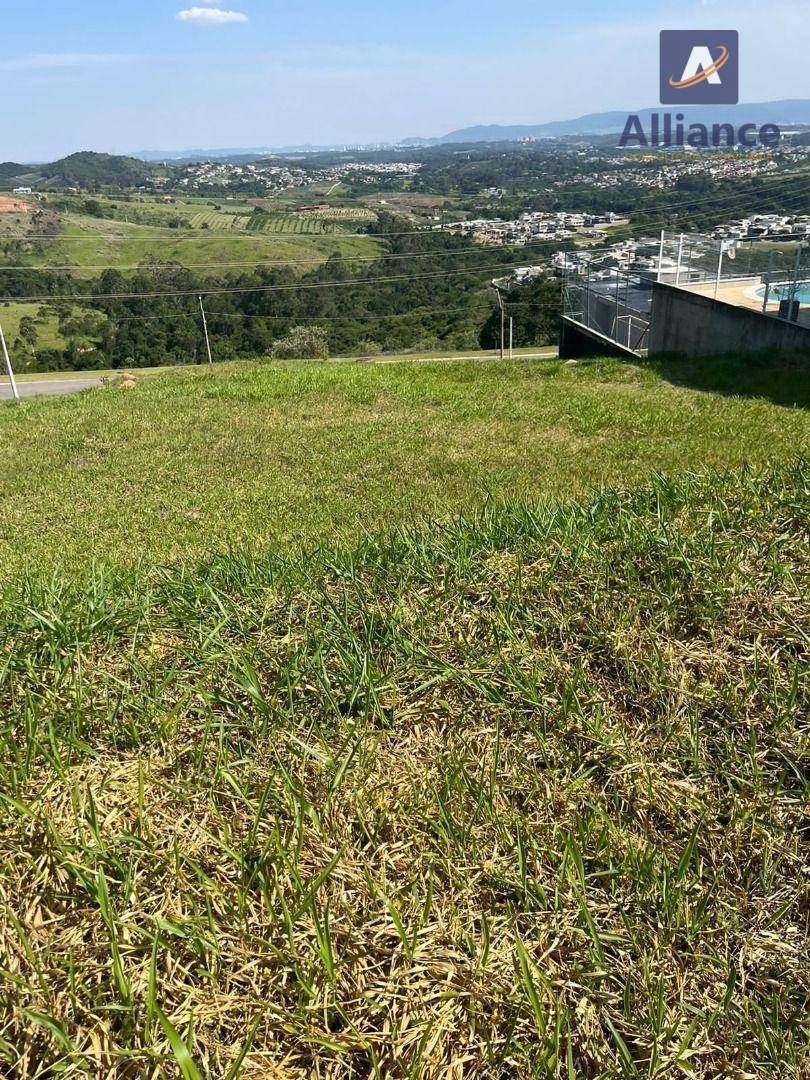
<point x="205" y="328"/>
<point x="503" y="315"/>
<point x="9" y="368"/>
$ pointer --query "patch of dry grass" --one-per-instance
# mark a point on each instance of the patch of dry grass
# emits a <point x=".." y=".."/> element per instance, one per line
<point x="515" y="797"/>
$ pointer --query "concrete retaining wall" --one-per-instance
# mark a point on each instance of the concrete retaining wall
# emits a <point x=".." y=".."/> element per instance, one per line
<point x="686" y="323"/>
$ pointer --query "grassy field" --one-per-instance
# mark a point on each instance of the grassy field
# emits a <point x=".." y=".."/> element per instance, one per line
<point x="514" y="797"/>
<point x="263" y="454"/>
<point x="212" y="239"/>
<point x="307" y="221"/>
<point x="47" y="323"/>
<point x="347" y="732"/>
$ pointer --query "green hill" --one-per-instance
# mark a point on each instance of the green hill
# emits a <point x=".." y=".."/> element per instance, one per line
<point x="10" y="170"/>
<point x="85" y="170"/>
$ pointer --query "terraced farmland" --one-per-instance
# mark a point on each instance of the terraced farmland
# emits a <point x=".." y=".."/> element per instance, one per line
<point x="218" y="220"/>
<point x="89" y="244"/>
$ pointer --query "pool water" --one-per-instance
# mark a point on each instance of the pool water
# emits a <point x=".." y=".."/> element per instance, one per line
<point x="781" y="292"/>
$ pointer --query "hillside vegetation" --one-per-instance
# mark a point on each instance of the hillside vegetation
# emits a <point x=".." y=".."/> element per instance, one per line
<point x="188" y="234"/>
<point x="387" y="288"/>
<point x="516" y="797"/>
<point x="266" y="454"/>
<point x="46" y="324"/>
<point x="85" y="169"/>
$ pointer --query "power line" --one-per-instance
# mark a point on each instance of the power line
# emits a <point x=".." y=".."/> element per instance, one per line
<point x="345" y="318"/>
<point x="256" y="235"/>
<point x="379" y="257"/>
<point x="420" y="313"/>
<point x="223" y="291"/>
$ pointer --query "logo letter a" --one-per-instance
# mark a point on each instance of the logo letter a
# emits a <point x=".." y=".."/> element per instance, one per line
<point x="700" y="59"/>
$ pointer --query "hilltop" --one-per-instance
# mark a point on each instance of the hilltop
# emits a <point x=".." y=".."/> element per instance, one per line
<point x="86" y="170"/>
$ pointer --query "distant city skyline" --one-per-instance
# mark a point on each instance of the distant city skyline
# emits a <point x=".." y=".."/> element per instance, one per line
<point x="161" y="75"/>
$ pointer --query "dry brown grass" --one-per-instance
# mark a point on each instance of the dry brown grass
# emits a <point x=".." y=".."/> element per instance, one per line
<point x="517" y="798"/>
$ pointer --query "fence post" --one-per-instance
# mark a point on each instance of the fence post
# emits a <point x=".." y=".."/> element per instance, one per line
<point x="680" y="257"/>
<point x="616" y="316"/>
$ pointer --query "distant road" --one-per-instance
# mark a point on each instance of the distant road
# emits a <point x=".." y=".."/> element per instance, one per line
<point x="36" y="387"/>
<point x="543" y="354"/>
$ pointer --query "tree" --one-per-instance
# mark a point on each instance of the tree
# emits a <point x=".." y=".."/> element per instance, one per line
<point x="536" y="309"/>
<point x="28" y="331"/>
<point x="302" y="343"/>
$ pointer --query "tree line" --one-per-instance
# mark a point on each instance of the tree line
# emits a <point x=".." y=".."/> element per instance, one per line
<point x="392" y="304"/>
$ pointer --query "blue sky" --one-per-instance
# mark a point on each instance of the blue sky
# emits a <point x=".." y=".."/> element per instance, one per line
<point x="134" y="75"/>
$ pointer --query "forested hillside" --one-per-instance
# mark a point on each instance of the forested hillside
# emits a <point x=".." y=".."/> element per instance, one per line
<point x="86" y="170"/>
<point x="424" y="291"/>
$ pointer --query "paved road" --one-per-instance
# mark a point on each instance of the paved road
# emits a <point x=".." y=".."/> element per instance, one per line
<point x="35" y="387"/>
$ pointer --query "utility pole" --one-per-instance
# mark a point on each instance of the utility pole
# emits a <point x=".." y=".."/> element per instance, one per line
<point x="205" y="328"/>
<point x="511" y="334"/>
<point x="9" y="368"/>
<point x="503" y="315"/>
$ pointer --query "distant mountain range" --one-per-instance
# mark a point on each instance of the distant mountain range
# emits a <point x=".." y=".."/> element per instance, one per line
<point x="238" y="154"/>
<point x="788" y="112"/>
<point x="86" y="169"/>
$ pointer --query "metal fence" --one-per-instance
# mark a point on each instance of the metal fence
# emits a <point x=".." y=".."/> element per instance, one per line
<point x="611" y="301"/>
<point x="610" y="291"/>
<point x="695" y="258"/>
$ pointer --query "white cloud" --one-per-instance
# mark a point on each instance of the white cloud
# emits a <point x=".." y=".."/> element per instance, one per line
<point x="210" y="15"/>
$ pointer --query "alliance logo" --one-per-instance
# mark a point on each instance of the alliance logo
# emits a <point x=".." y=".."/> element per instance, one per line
<point x="698" y="67"/>
<point x="691" y="66"/>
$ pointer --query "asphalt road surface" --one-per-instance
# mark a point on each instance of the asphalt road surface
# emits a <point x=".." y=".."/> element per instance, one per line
<point x="36" y="387"/>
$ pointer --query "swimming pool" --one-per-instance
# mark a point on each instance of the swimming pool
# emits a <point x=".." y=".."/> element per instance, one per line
<point x="781" y="292"/>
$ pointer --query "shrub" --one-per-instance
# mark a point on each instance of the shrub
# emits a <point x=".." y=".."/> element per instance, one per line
<point x="302" y="343"/>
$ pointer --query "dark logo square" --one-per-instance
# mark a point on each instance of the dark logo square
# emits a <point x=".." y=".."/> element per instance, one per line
<point x="700" y="67"/>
